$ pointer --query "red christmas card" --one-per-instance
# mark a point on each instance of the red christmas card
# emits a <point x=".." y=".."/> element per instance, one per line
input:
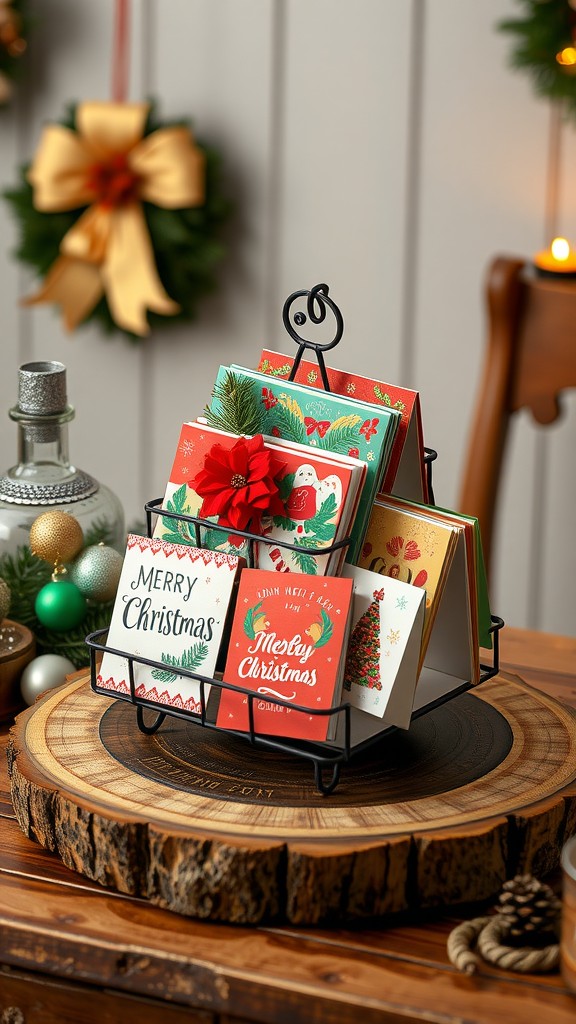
<point x="405" y="473"/>
<point x="288" y="643"/>
<point x="286" y="492"/>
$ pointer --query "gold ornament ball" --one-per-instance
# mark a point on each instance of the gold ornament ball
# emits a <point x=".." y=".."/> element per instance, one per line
<point x="96" y="572"/>
<point x="5" y="596"/>
<point x="56" y="537"/>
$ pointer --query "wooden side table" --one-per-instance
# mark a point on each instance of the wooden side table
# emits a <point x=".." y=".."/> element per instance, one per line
<point x="74" y="953"/>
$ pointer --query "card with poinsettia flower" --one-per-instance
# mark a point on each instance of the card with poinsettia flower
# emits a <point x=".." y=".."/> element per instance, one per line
<point x="244" y="401"/>
<point x="405" y="473"/>
<point x="384" y="646"/>
<point x="171" y="607"/>
<point x="287" y="644"/>
<point x="285" y="492"/>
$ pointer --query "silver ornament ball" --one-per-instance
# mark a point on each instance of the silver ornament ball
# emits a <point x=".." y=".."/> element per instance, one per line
<point x="96" y="572"/>
<point x="43" y="674"/>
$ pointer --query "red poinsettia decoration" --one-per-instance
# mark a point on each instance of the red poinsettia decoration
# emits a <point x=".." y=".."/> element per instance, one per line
<point x="237" y="484"/>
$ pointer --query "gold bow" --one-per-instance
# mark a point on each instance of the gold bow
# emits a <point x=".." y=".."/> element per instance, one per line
<point x="110" y="167"/>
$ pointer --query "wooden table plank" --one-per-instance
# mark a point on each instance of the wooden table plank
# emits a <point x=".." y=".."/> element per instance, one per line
<point x="263" y="975"/>
<point x="55" y="922"/>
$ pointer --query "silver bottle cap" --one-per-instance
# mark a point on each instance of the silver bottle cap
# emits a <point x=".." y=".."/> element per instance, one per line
<point x="42" y="388"/>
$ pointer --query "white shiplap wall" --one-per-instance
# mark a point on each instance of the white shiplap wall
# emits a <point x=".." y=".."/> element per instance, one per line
<point x="383" y="147"/>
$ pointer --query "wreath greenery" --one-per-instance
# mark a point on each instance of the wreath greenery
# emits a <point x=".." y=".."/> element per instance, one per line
<point x="542" y="33"/>
<point x="186" y="242"/>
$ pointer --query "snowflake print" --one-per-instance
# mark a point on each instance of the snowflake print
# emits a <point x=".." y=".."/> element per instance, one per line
<point x="351" y="387"/>
<point x="370" y="456"/>
<point x="393" y="636"/>
<point x="185" y="471"/>
<point x="312" y="376"/>
<point x="401" y="603"/>
<point x="187" y="447"/>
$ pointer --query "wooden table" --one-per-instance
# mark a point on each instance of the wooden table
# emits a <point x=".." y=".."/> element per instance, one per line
<point x="74" y="953"/>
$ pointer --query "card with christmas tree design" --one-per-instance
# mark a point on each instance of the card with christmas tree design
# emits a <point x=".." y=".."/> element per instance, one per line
<point x="384" y="646"/>
<point x="171" y="606"/>
<point x="405" y="473"/>
<point x="245" y="401"/>
<point x="286" y="492"/>
<point x="410" y="542"/>
<point x="288" y="644"/>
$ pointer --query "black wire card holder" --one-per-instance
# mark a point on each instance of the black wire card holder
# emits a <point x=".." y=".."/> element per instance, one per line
<point x="326" y="757"/>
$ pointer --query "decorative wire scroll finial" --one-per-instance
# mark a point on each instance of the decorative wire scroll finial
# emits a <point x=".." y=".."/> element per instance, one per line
<point x="316" y="303"/>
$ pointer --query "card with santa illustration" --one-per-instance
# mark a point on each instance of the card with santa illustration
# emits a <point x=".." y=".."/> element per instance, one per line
<point x="384" y="646"/>
<point x="245" y="401"/>
<point x="287" y="493"/>
<point x="171" y="607"/>
<point x="287" y="647"/>
<point x="405" y="473"/>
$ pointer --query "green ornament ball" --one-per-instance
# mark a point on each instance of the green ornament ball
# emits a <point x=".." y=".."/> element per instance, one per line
<point x="60" y="606"/>
<point x="96" y="572"/>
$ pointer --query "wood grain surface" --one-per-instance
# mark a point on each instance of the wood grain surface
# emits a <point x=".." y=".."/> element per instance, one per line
<point x="73" y="951"/>
<point x="202" y="825"/>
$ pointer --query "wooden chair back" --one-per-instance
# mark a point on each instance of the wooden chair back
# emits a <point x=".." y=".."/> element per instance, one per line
<point x="530" y="358"/>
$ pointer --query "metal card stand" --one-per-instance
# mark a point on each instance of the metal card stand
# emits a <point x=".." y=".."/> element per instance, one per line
<point x="325" y="758"/>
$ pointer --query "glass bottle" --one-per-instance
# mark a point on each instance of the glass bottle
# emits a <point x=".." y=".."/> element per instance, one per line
<point x="44" y="478"/>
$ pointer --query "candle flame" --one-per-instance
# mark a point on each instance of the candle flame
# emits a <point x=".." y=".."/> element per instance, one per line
<point x="567" y="56"/>
<point x="560" y="249"/>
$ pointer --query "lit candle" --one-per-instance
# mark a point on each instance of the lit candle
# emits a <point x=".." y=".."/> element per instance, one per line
<point x="558" y="259"/>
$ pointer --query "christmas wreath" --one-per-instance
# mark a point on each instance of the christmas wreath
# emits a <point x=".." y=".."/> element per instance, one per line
<point x="121" y="214"/>
<point x="13" y="43"/>
<point x="545" y="45"/>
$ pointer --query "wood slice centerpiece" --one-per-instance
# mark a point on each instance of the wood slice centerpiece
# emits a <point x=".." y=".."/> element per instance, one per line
<point x="196" y="821"/>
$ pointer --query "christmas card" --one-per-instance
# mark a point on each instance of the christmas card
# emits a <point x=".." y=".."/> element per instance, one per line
<point x="405" y="473"/>
<point x="245" y="401"/>
<point x="384" y="646"/>
<point x="171" y="607"/>
<point x="411" y="543"/>
<point x="479" y="600"/>
<point x="286" y="492"/>
<point x="288" y="644"/>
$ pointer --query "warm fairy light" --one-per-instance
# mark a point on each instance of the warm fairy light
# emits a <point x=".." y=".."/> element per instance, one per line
<point x="560" y="249"/>
<point x="567" y="57"/>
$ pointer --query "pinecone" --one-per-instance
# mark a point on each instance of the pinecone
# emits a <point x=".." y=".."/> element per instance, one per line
<point x="530" y="907"/>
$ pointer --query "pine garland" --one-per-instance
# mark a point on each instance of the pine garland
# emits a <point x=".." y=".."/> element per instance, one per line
<point x="542" y="32"/>
<point x="238" y="411"/>
<point x="185" y="242"/>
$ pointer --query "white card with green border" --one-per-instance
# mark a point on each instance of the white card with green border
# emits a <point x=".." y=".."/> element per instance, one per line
<point x="171" y="607"/>
<point x="384" y="646"/>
